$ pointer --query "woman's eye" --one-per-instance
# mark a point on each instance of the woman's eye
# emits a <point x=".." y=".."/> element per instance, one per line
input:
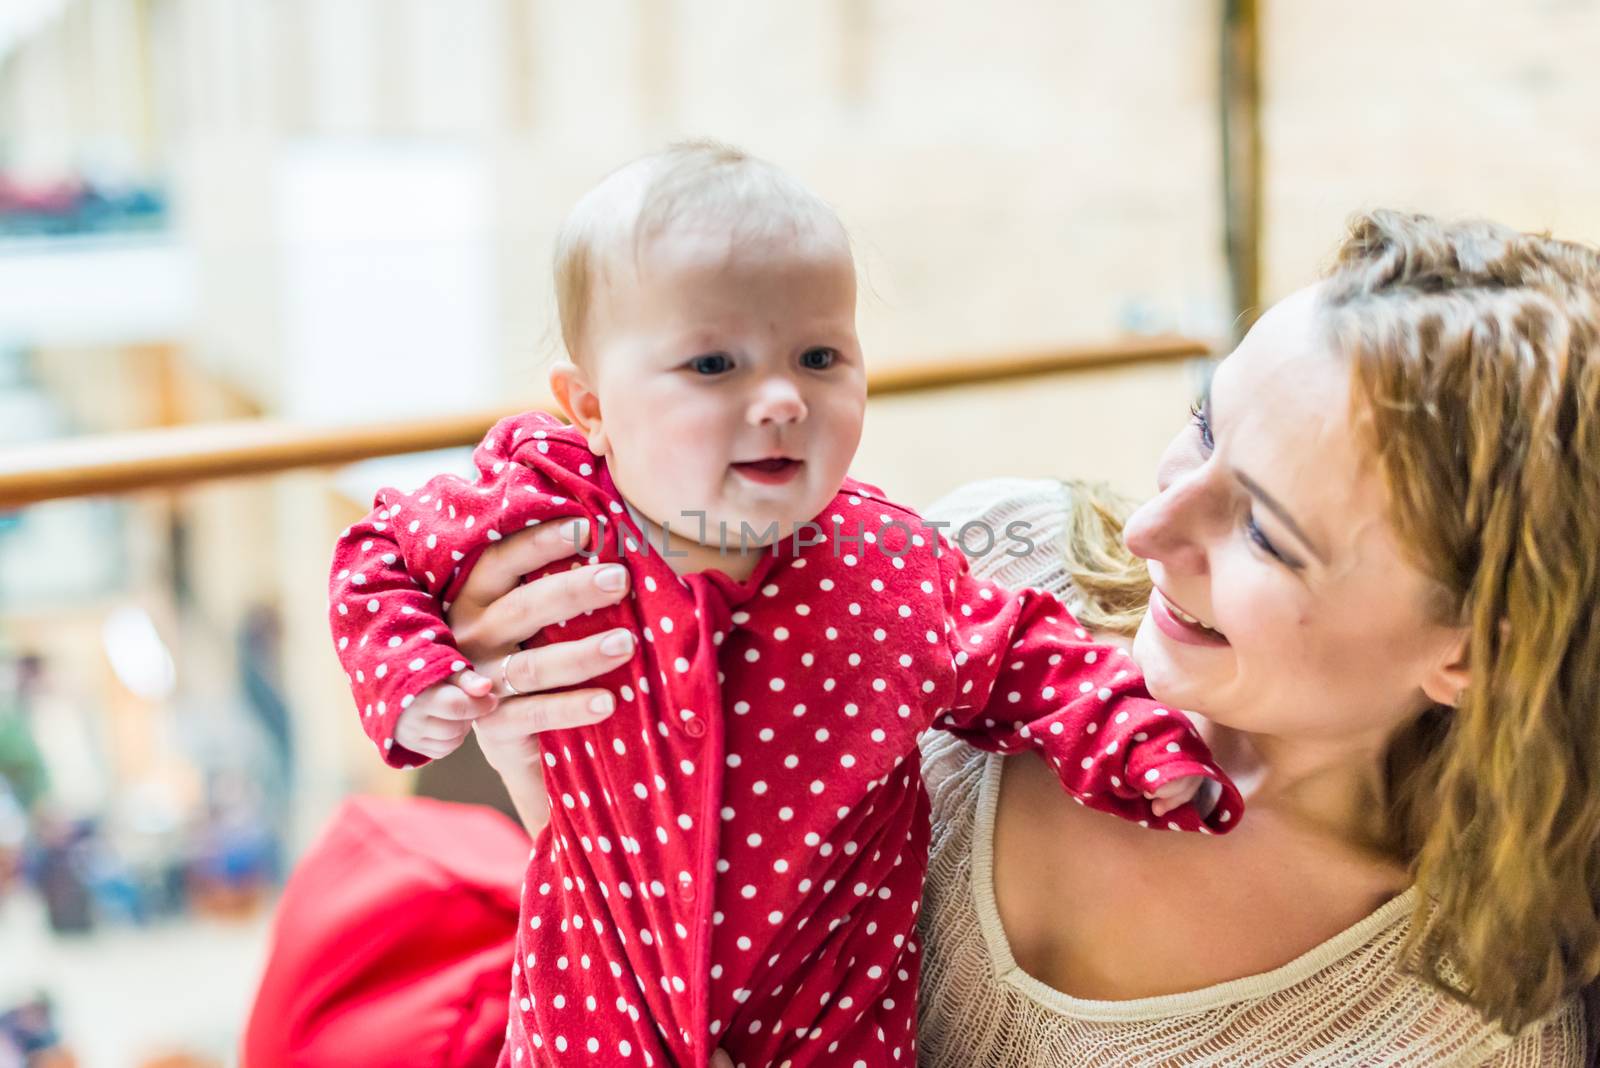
<point x="1203" y="425"/>
<point x="1253" y="530"/>
<point x="713" y="364"/>
<point x="818" y="359"/>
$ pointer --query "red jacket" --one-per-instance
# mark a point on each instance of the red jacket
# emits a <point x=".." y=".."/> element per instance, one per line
<point x="393" y="941"/>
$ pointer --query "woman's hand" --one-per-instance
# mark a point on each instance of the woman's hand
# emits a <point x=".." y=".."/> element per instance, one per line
<point x="493" y="615"/>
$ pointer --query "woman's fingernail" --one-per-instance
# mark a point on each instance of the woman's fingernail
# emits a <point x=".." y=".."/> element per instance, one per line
<point x="611" y="577"/>
<point x="616" y="643"/>
<point x="601" y="705"/>
<point x="575" y="530"/>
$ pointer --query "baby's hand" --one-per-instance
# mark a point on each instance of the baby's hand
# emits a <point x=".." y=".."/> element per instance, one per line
<point x="1202" y="791"/>
<point x="442" y="715"/>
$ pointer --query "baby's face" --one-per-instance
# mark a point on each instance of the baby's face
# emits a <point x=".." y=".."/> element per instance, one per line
<point x="729" y="378"/>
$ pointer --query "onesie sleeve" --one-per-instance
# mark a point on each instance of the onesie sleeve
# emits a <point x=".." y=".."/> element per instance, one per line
<point x="395" y="572"/>
<point x="1028" y="676"/>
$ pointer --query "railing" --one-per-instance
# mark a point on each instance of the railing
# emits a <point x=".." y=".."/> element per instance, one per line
<point x="149" y="459"/>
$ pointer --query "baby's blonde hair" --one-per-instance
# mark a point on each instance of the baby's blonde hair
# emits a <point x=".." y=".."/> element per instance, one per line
<point x="691" y="183"/>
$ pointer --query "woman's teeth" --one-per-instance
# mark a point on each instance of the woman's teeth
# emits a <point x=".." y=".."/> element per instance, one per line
<point x="1187" y="618"/>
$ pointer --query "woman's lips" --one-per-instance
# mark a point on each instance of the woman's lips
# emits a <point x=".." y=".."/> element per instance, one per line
<point x="1180" y="630"/>
<point x="769" y="472"/>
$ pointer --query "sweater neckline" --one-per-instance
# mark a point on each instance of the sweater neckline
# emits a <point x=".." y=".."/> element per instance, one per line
<point x="1160" y="1006"/>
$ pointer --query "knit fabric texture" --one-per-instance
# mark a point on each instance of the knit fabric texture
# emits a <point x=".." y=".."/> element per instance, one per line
<point x="1344" y="1003"/>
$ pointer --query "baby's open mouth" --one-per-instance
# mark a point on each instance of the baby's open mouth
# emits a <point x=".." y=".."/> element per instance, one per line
<point x="772" y="471"/>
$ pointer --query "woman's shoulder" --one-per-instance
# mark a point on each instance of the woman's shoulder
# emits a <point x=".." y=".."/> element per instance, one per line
<point x="950" y="770"/>
<point x="1400" y="1018"/>
<point x="1012" y="530"/>
<point x="1445" y="1024"/>
<point x="993" y="498"/>
<point x="1561" y="1039"/>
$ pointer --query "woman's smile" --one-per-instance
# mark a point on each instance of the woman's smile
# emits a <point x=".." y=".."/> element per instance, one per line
<point x="1179" y="625"/>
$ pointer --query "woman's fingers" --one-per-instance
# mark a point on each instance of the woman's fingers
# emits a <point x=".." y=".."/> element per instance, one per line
<point x="551" y="667"/>
<point x="720" y="1059"/>
<point x="553" y="599"/>
<point x="518" y="717"/>
<point x="503" y="564"/>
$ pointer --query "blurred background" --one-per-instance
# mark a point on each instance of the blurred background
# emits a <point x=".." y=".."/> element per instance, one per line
<point x="313" y="214"/>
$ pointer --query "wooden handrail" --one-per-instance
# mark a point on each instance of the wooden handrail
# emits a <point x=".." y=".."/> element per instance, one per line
<point x="149" y="459"/>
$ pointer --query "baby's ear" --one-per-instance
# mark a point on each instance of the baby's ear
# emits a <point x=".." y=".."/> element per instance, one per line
<point x="580" y="403"/>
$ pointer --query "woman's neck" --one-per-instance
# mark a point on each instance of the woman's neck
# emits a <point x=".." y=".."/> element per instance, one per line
<point x="1331" y="785"/>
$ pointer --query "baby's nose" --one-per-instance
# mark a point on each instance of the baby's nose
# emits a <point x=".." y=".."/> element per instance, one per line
<point x="777" y="401"/>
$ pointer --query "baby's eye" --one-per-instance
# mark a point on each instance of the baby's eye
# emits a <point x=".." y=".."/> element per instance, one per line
<point x="714" y="363"/>
<point x="818" y="359"/>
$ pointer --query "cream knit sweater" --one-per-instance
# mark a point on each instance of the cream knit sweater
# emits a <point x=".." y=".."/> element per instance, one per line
<point x="1343" y="1003"/>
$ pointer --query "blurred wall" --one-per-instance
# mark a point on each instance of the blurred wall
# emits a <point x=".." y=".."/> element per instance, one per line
<point x="1453" y="108"/>
<point x="1016" y="174"/>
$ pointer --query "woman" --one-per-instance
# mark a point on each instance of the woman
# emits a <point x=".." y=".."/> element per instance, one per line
<point x="1373" y="559"/>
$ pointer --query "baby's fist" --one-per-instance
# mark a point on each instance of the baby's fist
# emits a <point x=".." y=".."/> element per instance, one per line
<point x="1202" y="791"/>
<point x="442" y="715"/>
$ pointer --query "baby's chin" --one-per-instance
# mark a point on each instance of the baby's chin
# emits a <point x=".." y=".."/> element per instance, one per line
<point x="742" y="517"/>
<point x="733" y="531"/>
<point x="789" y="514"/>
<point x="784" y="527"/>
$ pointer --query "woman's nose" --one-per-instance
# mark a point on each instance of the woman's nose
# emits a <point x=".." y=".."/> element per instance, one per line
<point x="777" y="400"/>
<point x="1171" y="527"/>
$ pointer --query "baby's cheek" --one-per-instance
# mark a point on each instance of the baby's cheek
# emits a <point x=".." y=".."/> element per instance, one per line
<point x="661" y="485"/>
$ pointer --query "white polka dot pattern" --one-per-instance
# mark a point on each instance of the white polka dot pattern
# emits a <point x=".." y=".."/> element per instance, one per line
<point x="739" y="863"/>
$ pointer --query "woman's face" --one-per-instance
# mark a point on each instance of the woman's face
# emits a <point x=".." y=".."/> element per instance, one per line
<point x="1283" y="603"/>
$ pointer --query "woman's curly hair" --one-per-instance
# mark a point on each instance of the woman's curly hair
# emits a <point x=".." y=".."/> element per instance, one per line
<point x="1475" y="356"/>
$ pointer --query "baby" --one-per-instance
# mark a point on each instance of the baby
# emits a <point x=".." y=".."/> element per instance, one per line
<point x="735" y="857"/>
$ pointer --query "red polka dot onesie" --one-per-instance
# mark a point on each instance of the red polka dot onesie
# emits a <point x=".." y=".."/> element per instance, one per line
<point x="735" y="857"/>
